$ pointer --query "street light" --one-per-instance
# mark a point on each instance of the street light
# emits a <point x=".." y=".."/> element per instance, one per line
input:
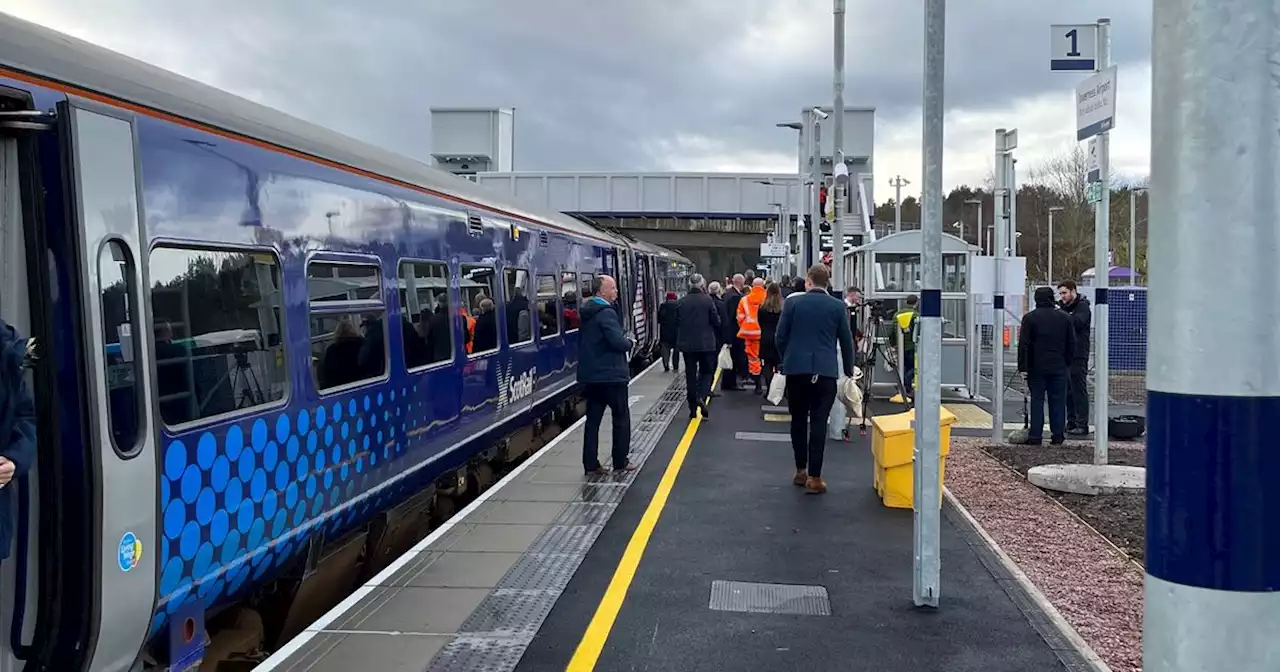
<point x="898" y="183"/>
<point x="1133" y="228"/>
<point x="1053" y="209"/>
<point x="977" y="202"/>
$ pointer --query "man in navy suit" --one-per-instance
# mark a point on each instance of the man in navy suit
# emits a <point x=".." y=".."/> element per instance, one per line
<point x="820" y="322"/>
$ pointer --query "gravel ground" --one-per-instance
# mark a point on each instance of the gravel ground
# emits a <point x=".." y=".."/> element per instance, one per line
<point x="1096" y="590"/>
<point x="1121" y="518"/>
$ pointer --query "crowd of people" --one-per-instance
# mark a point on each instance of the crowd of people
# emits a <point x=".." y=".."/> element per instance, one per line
<point x="801" y="329"/>
<point x="758" y="323"/>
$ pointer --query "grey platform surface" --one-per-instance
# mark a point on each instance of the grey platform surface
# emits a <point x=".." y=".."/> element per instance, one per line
<point x="475" y="597"/>
<point x="842" y="558"/>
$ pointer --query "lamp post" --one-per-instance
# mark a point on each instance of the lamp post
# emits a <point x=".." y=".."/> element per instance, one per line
<point x="977" y="202"/>
<point x="1053" y="209"/>
<point x="1133" y="232"/>
<point x="898" y="183"/>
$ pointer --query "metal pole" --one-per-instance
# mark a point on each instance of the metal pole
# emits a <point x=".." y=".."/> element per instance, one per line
<point x="1050" y="278"/>
<point x="928" y="400"/>
<point x="1133" y="229"/>
<point x="1013" y="208"/>
<point x="980" y="231"/>
<point x="1213" y="565"/>
<point x="1102" y="269"/>
<point x="837" y="227"/>
<point x="997" y="300"/>
<point x="898" y="183"/>
<point x="815" y="173"/>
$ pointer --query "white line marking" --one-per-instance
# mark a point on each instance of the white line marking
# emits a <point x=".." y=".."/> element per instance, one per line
<point x="293" y="645"/>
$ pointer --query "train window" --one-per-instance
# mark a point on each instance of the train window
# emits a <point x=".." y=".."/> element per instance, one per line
<point x="120" y="341"/>
<point x="218" y="344"/>
<point x="519" y="327"/>
<point x="424" y="302"/>
<point x="588" y="285"/>
<point x="569" y="302"/>
<point x="548" y="307"/>
<point x="347" y="323"/>
<point x="477" y="284"/>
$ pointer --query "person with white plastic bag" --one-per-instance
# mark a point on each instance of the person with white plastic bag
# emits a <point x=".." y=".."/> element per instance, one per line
<point x="811" y="327"/>
<point x="697" y="334"/>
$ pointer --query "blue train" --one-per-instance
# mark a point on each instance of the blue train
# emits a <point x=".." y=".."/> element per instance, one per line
<point x="270" y="353"/>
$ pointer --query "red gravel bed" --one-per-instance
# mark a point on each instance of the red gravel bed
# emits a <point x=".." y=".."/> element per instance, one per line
<point x="1095" y="588"/>
<point x="1121" y="518"/>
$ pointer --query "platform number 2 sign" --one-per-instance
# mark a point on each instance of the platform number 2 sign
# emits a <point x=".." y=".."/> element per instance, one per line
<point x="1074" y="47"/>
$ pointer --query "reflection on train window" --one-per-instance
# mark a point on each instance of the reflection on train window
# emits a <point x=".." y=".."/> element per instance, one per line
<point x="477" y="285"/>
<point x="116" y="280"/>
<point x="347" y="323"/>
<point x="548" y="307"/>
<point x="588" y="284"/>
<point x="218" y="344"/>
<point x="424" y="305"/>
<point x="516" y="285"/>
<point x="569" y="289"/>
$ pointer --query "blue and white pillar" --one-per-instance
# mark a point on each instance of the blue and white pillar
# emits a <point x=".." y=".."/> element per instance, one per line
<point x="1213" y="370"/>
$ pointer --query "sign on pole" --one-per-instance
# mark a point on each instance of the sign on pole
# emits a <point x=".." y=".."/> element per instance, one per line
<point x="1094" y="171"/>
<point x="1093" y="193"/>
<point x="1073" y="47"/>
<point x="774" y="250"/>
<point x="1096" y="104"/>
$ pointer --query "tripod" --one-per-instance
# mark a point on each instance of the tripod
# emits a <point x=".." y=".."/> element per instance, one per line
<point x="868" y="353"/>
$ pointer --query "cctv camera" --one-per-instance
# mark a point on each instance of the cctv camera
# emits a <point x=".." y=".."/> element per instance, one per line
<point x="820" y="113"/>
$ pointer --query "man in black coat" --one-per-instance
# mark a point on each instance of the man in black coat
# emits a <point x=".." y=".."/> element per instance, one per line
<point x="698" y="337"/>
<point x="1077" y="306"/>
<point x="729" y="327"/>
<point x="667" y="324"/>
<point x="603" y="350"/>
<point x="1046" y="348"/>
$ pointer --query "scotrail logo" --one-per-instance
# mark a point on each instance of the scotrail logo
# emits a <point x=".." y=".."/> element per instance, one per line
<point x="512" y="389"/>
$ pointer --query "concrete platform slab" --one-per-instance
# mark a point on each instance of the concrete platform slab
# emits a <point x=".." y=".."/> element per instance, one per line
<point x="1089" y="479"/>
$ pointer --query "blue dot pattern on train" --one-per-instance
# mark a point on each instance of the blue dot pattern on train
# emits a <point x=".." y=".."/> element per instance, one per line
<point x="239" y="503"/>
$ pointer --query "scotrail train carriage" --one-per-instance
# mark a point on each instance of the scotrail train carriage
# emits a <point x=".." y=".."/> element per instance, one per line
<point x="268" y="353"/>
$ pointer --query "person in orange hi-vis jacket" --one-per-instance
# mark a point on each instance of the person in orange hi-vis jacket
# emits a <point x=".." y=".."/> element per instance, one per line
<point x="749" y="328"/>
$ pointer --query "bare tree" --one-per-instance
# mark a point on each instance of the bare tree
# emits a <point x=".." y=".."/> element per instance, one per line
<point x="1063" y="177"/>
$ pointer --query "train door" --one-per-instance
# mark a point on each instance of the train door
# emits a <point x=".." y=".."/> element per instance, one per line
<point x="105" y="187"/>
<point x="23" y="295"/>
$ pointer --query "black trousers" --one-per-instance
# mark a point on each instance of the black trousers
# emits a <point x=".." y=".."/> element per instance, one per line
<point x="699" y="371"/>
<point x="909" y="370"/>
<point x="670" y="356"/>
<point x="1078" y="394"/>
<point x="599" y="397"/>
<point x="1053" y="386"/>
<point x="809" y="398"/>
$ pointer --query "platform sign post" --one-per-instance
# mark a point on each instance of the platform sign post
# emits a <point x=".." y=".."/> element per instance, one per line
<point x="927" y="493"/>
<point x="1006" y="142"/>
<point x="1213" y="558"/>
<point x="1095" y="117"/>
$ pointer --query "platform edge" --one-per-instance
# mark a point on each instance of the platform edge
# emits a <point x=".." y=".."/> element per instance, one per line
<point x="1055" y="617"/>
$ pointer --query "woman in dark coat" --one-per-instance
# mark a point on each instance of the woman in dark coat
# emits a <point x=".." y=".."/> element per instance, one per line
<point x="770" y="313"/>
<point x="668" y="322"/>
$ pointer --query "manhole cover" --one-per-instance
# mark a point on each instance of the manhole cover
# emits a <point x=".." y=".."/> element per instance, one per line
<point x="769" y="598"/>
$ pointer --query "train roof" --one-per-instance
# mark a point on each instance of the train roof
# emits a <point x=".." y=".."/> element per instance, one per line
<point x="51" y="55"/>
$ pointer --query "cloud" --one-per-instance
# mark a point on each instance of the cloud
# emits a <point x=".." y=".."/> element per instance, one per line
<point x="629" y="86"/>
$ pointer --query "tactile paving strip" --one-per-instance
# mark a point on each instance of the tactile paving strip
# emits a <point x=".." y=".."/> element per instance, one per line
<point x="495" y="636"/>
<point x="769" y="598"/>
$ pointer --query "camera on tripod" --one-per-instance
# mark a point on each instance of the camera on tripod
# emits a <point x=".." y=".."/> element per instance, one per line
<point x="878" y="310"/>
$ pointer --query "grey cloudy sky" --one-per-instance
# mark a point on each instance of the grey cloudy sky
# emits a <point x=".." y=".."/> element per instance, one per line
<point x="631" y="85"/>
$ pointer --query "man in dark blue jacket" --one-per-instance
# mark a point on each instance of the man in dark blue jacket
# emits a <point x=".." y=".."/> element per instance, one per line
<point x="603" y="351"/>
<point x="698" y="322"/>
<point x="810" y="328"/>
<point x="1046" y="350"/>
<point x="17" y="427"/>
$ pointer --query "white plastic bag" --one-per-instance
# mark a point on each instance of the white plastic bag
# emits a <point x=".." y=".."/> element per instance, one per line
<point x="725" y="361"/>
<point x="850" y="394"/>
<point x="777" y="388"/>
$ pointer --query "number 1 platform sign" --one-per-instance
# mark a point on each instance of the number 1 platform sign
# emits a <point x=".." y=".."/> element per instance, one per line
<point x="1073" y="47"/>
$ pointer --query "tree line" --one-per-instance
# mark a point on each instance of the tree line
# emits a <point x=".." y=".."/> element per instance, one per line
<point x="1059" y="182"/>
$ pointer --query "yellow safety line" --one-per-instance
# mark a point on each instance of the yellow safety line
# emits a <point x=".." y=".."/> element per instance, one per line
<point x="592" y="645"/>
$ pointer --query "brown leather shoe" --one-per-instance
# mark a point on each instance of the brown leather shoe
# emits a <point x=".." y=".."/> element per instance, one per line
<point x="815" y="486"/>
<point x="800" y="477"/>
